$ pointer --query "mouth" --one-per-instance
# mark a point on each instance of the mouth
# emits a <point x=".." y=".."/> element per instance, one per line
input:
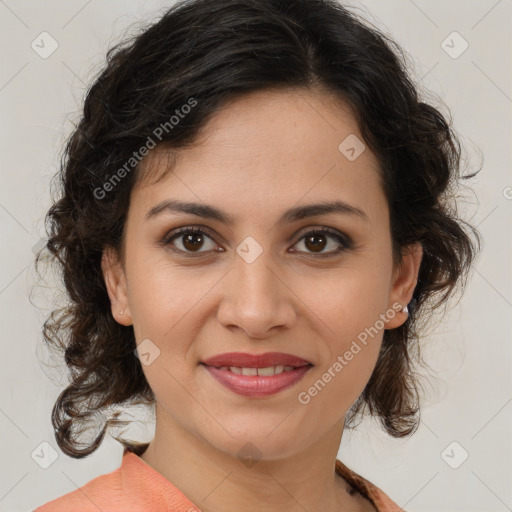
<point x="266" y="371"/>
<point x="246" y="361"/>
<point x="257" y="375"/>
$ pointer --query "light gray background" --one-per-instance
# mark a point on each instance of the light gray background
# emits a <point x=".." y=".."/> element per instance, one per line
<point x="469" y="354"/>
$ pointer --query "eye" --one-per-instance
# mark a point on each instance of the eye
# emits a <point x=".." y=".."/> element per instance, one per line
<point x="190" y="240"/>
<point x="318" y="239"/>
<point x="196" y="241"/>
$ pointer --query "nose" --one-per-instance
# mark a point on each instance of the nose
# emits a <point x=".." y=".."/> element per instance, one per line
<point x="256" y="298"/>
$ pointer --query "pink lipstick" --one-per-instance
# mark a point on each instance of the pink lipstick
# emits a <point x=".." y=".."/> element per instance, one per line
<point x="257" y="375"/>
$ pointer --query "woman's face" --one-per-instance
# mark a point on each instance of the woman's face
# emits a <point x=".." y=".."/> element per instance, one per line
<point x="263" y="282"/>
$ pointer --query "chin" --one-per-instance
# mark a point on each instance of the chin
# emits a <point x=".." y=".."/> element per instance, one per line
<point x="252" y="444"/>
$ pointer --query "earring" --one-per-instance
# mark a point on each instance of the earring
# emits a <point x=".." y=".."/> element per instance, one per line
<point x="122" y="312"/>
<point x="405" y="309"/>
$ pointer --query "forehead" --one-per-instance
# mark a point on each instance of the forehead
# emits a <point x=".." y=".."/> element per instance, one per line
<point x="264" y="149"/>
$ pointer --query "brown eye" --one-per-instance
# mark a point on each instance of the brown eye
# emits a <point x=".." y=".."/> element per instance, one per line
<point x="321" y="242"/>
<point x="190" y="240"/>
<point x="316" y="241"/>
<point x="193" y="241"/>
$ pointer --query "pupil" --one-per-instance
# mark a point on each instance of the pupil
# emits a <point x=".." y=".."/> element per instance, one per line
<point x="315" y="246"/>
<point x="192" y="240"/>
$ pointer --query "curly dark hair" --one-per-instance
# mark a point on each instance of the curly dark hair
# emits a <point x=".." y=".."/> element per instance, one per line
<point x="211" y="52"/>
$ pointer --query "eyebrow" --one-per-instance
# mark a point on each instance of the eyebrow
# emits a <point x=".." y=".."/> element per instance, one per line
<point x="292" y="215"/>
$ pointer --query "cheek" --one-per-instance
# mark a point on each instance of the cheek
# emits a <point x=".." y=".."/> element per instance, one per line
<point x="349" y="341"/>
<point x="161" y="295"/>
<point x="348" y="307"/>
<point x="350" y="299"/>
<point x="163" y="302"/>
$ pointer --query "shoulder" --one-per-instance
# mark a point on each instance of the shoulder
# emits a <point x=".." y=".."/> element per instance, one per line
<point x="133" y="487"/>
<point x="103" y="491"/>
<point x="378" y="498"/>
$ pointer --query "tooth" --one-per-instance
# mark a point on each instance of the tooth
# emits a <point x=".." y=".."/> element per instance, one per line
<point x="268" y="370"/>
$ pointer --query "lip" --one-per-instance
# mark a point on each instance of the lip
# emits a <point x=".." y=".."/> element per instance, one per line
<point x="246" y="360"/>
<point x="255" y="386"/>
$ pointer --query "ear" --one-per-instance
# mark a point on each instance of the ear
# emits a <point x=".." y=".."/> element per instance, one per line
<point x="405" y="278"/>
<point x="115" y="281"/>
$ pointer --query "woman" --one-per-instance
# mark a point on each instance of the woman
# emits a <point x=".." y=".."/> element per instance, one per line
<point x="254" y="220"/>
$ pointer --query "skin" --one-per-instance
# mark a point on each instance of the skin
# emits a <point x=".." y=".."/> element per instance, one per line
<point x="259" y="156"/>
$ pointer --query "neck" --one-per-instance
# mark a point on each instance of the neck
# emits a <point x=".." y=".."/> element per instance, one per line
<point x="245" y="480"/>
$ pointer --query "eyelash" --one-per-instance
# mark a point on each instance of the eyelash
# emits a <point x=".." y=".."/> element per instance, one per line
<point x="343" y="240"/>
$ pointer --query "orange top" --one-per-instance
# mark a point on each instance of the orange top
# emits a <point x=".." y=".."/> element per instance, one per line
<point x="136" y="487"/>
